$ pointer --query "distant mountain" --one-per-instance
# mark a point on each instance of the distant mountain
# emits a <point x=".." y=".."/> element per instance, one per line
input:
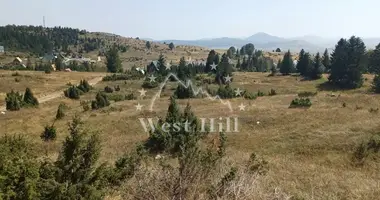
<point x="269" y="42"/>
<point x="261" y="38"/>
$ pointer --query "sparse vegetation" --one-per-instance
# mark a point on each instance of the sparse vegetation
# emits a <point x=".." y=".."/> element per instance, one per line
<point x="300" y="102"/>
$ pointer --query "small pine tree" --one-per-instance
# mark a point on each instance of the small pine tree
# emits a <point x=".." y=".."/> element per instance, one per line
<point x="326" y="60"/>
<point x="317" y="70"/>
<point x="13" y="101"/>
<point x="287" y="65"/>
<point x="376" y="83"/>
<point x="49" y="134"/>
<point x="60" y="112"/>
<point x="29" y="99"/>
<point x="171" y="46"/>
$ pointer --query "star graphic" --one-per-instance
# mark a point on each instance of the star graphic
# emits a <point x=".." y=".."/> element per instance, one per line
<point x="168" y="66"/>
<point x="242" y="107"/>
<point x="152" y="78"/>
<point x="228" y="78"/>
<point x="138" y="107"/>
<point x="142" y="92"/>
<point x="213" y="66"/>
<point x="238" y="92"/>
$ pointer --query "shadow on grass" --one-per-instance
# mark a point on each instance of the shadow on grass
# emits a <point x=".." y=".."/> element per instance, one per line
<point x="327" y="86"/>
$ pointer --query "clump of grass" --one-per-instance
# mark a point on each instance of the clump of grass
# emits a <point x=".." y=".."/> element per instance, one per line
<point x="300" y="102"/>
<point x="307" y="94"/>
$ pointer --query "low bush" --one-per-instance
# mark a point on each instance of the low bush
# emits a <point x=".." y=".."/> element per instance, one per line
<point x="260" y="94"/>
<point x="101" y="101"/>
<point x="108" y="89"/>
<point x="307" y="94"/>
<point x="272" y="92"/>
<point x="49" y="134"/>
<point x="60" y="112"/>
<point x="300" y="102"/>
<point x="248" y="95"/>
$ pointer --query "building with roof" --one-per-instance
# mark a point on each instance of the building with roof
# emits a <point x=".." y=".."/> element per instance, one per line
<point x="2" y="50"/>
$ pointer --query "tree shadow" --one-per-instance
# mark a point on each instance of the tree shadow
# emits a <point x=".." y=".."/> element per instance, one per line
<point x="327" y="86"/>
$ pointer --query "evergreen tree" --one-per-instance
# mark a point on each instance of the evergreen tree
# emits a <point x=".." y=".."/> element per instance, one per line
<point x="326" y="60"/>
<point x="171" y="46"/>
<point x="113" y="61"/>
<point x="60" y="112"/>
<point x="345" y="63"/>
<point x="29" y="64"/>
<point x="49" y="134"/>
<point x="161" y="62"/>
<point x="184" y="93"/>
<point x="278" y="50"/>
<point x="58" y="63"/>
<point x="13" y="101"/>
<point x="182" y="72"/>
<point x="210" y="60"/>
<point x="287" y="65"/>
<point x="29" y="98"/>
<point x="231" y="52"/>
<point x="238" y="65"/>
<point x="374" y="61"/>
<point x="301" y="68"/>
<point x="224" y="69"/>
<point x="316" y="70"/>
<point x="148" y="45"/>
<point x="376" y="83"/>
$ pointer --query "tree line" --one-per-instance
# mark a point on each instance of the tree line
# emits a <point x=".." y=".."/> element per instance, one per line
<point x="39" y="40"/>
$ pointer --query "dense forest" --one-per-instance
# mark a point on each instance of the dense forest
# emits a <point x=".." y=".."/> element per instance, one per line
<point x="39" y="40"/>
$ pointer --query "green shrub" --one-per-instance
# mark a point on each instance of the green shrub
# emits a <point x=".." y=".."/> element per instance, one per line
<point x="60" y="112"/>
<point x="116" y="97"/>
<point x="13" y="101"/>
<point x="307" y="94"/>
<point x="72" y="92"/>
<point x="226" y="92"/>
<point x="117" y="88"/>
<point x="300" y="102"/>
<point x="260" y="94"/>
<point x="84" y="86"/>
<point x="101" y="101"/>
<point x="272" y="92"/>
<point x="251" y="96"/>
<point x="130" y="97"/>
<point x="29" y="99"/>
<point x="108" y="89"/>
<point x="148" y="85"/>
<point x="49" y="134"/>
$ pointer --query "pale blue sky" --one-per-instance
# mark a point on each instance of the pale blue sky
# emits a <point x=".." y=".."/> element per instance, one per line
<point x="196" y="19"/>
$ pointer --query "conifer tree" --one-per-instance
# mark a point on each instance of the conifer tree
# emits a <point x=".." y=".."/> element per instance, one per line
<point x="301" y="63"/>
<point x="374" y="61"/>
<point x="13" y="101"/>
<point x="171" y="46"/>
<point x="376" y="83"/>
<point x="287" y="65"/>
<point x="29" y="98"/>
<point x="224" y="69"/>
<point x="210" y="60"/>
<point x="345" y="63"/>
<point x="148" y="45"/>
<point x="316" y="70"/>
<point x="326" y="60"/>
<point x="61" y="111"/>
<point x="113" y="60"/>
<point x="184" y="93"/>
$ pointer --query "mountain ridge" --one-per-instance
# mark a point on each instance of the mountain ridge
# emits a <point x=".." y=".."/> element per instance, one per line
<point x="268" y="42"/>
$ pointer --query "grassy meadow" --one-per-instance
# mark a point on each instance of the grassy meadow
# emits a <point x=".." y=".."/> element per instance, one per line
<point x="309" y="151"/>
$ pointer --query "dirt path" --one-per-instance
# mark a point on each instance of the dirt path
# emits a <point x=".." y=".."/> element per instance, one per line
<point x="57" y="94"/>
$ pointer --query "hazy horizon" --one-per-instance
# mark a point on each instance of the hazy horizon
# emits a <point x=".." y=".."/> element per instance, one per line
<point x="197" y="19"/>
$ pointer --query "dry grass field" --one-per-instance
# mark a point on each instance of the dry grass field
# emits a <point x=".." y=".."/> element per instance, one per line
<point x="309" y="150"/>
